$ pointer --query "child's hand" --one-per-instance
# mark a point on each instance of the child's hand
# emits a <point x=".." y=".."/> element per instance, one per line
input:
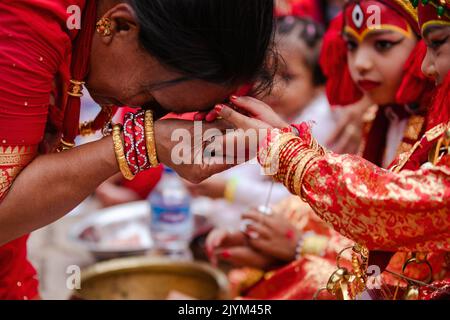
<point x="259" y="110"/>
<point x="245" y="108"/>
<point x="233" y="248"/>
<point x="347" y="136"/>
<point x="219" y="239"/>
<point x="272" y="235"/>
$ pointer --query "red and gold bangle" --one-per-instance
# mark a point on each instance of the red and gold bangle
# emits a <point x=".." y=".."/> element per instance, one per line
<point x="129" y="143"/>
<point x="290" y="150"/>
<point x="290" y="172"/>
<point x="275" y="149"/>
<point x="119" y="152"/>
<point x="302" y="168"/>
<point x="139" y="141"/>
<point x="150" y="138"/>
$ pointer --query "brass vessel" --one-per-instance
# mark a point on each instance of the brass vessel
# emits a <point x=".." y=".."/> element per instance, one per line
<point x="147" y="278"/>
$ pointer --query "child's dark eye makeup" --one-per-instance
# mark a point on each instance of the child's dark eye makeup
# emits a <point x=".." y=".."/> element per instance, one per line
<point x="436" y="43"/>
<point x="436" y="36"/>
<point x="383" y="45"/>
<point x="351" y="45"/>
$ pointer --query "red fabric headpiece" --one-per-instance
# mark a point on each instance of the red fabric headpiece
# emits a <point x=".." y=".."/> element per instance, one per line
<point x="436" y="12"/>
<point x="340" y="88"/>
<point x="362" y="17"/>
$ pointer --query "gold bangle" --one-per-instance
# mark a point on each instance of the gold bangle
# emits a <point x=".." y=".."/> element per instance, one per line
<point x="64" y="146"/>
<point x="150" y="138"/>
<point x="120" y="154"/>
<point x="301" y="170"/>
<point x="274" y="150"/>
<point x="291" y="171"/>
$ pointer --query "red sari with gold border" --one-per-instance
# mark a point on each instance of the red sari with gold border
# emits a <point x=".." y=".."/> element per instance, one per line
<point x="35" y="59"/>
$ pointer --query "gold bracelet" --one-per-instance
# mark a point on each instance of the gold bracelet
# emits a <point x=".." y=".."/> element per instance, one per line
<point x="120" y="154"/>
<point x="301" y="170"/>
<point x="275" y="148"/>
<point x="291" y="170"/>
<point x="150" y="138"/>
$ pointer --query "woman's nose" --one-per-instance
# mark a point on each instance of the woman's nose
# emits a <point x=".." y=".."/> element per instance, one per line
<point x="428" y="67"/>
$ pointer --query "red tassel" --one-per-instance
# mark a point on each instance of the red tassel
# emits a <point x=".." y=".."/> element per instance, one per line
<point x="103" y="117"/>
<point x="415" y="86"/>
<point x="340" y="88"/>
<point x="79" y="70"/>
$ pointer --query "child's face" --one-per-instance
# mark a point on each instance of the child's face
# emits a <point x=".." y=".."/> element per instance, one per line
<point x="293" y="89"/>
<point x="437" y="61"/>
<point x="376" y="62"/>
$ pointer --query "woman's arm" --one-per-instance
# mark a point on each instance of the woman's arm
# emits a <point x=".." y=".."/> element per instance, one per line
<point x="52" y="185"/>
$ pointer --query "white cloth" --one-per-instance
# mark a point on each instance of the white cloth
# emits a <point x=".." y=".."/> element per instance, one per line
<point x="324" y="119"/>
<point x="393" y="139"/>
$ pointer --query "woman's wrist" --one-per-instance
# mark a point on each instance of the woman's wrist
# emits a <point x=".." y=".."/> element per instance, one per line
<point x="135" y="148"/>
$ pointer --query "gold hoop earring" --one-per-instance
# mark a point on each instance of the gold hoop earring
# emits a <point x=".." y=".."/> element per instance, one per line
<point x="103" y="27"/>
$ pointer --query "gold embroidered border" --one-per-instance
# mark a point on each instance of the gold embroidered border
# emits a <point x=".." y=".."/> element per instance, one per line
<point x="17" y="155"/>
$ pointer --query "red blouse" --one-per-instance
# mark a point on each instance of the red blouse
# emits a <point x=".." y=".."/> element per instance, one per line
<point x="35" y="56"/>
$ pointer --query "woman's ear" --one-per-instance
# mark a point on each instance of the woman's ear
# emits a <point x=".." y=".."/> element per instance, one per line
<point x="123" y="23"/>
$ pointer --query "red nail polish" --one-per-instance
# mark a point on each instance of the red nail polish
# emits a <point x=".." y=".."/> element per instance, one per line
<point x="218" y="108"/>
<point x="290" y="234"/>
<point x="225" y="254"/>
<point x="234" y="97"/>
<point x="211" y="116"/>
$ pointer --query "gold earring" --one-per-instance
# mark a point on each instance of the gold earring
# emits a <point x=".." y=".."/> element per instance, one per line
<point x="103" y="27"/>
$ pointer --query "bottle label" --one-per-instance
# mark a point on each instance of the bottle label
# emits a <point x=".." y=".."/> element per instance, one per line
<point x="170" y="215"/>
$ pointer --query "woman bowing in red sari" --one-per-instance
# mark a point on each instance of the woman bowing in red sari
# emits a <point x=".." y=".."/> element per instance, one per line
<point x="156" y="54"/>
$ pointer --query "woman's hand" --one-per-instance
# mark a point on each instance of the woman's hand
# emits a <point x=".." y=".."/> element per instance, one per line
<point x="189" y="149"/>
<point x="347" y="136"/>
<point x="272" y="235"/>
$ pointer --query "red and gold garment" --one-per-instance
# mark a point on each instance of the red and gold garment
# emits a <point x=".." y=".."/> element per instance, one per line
<point x="378" y="208"/>
<point x="294" y="281"/>
<point x="302" y="278"/>
<point x="299" y="279"/>
<point x="383" y="210"/>
<point x="35" y="58"/>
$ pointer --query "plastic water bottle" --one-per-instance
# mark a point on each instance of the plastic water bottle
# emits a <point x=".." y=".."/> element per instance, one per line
<point x="171" y="222"/>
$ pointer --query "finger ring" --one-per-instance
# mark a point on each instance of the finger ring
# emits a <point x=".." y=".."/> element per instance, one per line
<point x="265" y="210"/>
